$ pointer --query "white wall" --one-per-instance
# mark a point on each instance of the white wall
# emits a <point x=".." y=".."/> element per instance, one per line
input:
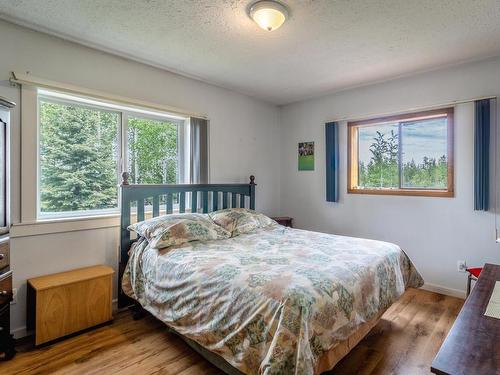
<point x="435" y="232"/>
<point x="244" y="139"/>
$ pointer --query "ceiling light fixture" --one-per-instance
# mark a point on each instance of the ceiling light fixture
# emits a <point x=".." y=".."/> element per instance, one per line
<point x="269" y="15"/>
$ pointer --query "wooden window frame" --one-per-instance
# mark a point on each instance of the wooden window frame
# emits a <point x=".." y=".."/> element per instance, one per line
<point x="352" y="154"/>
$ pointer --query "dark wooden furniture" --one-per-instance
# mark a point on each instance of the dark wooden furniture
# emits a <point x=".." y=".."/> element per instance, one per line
<point x="284" y="220"/>
<point x="7" y="350"/>
<point x="473" y="343"/>
<point x="473" y="274"/>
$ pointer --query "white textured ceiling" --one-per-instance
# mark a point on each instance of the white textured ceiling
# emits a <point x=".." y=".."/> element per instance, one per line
<point x="325" y="46"/>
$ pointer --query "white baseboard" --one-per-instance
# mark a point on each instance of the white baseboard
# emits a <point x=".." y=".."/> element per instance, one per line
<point x="443" y="290"/>
<point x="21" y="332"/>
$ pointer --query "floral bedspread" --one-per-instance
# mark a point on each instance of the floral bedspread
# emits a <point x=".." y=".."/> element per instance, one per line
<point x="271" y="301"/>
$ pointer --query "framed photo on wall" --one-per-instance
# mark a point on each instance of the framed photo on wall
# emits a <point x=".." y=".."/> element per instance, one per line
<point x="306" y="156"/>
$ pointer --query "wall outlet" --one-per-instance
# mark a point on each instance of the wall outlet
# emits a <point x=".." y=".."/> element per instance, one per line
<point x="14" y="296"/>
<point x="461" y="266"/>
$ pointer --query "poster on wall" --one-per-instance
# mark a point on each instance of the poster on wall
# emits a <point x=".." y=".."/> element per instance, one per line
<point x="306" y="156"/>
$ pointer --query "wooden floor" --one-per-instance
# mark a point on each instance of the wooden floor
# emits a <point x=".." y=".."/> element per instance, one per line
<point x="404" y="342"/>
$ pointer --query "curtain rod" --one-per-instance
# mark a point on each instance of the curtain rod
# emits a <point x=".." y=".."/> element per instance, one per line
<point x="28" y="79"/>
<point x="414" y="109"/>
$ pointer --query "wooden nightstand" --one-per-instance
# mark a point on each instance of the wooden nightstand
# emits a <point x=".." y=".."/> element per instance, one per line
<point x="284" y="220"/>
<point x="68" y="302"/>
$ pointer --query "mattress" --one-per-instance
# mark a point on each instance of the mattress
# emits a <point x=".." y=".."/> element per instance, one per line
<point x="274" y="301"/>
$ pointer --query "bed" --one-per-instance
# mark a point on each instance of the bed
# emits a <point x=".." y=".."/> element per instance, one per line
<point x="275" y="300"/>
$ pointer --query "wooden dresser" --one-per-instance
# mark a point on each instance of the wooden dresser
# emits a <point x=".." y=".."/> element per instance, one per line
<point x="64" y="303"/>
<point x="6" y="341"/>
<point x="473" y="343"/>
<point x="7" y="350"/>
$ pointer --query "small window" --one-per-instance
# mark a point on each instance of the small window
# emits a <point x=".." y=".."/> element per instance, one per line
<point x="410" y="154"/>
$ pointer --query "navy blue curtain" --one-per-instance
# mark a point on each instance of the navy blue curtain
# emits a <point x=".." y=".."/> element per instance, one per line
<point x="332" y="161"/>
<point x="482" y="155"/>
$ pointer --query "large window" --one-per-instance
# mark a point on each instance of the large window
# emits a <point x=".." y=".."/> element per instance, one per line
<point x="410" y="154"/>
<point x="84" y="145"/>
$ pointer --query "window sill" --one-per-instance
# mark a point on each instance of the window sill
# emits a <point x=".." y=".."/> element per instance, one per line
<point x="60" y="225"/>
<point x="405" y="192"/>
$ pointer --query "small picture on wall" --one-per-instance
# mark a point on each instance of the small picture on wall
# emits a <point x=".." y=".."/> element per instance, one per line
<point x="306" y="156"/>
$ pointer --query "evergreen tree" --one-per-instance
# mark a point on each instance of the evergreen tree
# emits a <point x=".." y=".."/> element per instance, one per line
<point x="431" y="173"/>
<point x="78" y="158"/>
<point x="382" y="171"/>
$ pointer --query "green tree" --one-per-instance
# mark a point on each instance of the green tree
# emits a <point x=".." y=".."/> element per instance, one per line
<point x="431" y="173"/>
<point x="382" y="169"/>
<point x="153" y="155"/>
<point x="78" y="158"/>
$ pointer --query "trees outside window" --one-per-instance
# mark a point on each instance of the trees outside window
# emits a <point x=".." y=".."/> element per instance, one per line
<point x="410" y="154"/>
<point x="81" y="154"/>
<point x="78" y="158"/>
<point x="153" y="151"/>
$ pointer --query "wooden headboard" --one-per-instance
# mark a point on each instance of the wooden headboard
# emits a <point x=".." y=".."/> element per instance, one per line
<point x="144" y="201"/>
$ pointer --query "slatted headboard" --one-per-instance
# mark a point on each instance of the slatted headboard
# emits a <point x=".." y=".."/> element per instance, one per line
<point x="144" y="201"/>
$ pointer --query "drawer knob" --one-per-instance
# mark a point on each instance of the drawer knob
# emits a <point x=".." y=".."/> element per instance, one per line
<point x="2" y="256"/>
<point x="3" y="293"/>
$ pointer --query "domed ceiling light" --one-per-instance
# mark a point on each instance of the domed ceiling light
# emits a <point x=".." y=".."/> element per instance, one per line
<point x="269" y="15"/>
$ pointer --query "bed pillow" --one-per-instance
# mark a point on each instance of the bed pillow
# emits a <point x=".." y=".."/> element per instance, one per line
<point x="176" y="229"/>
<point x="240" y="220"/>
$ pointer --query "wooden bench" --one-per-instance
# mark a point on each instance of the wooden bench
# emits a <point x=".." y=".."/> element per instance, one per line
<point x="68" y="302"/>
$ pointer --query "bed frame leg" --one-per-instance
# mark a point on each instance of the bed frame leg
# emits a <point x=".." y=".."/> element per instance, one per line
<point x="137" y="311"/>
